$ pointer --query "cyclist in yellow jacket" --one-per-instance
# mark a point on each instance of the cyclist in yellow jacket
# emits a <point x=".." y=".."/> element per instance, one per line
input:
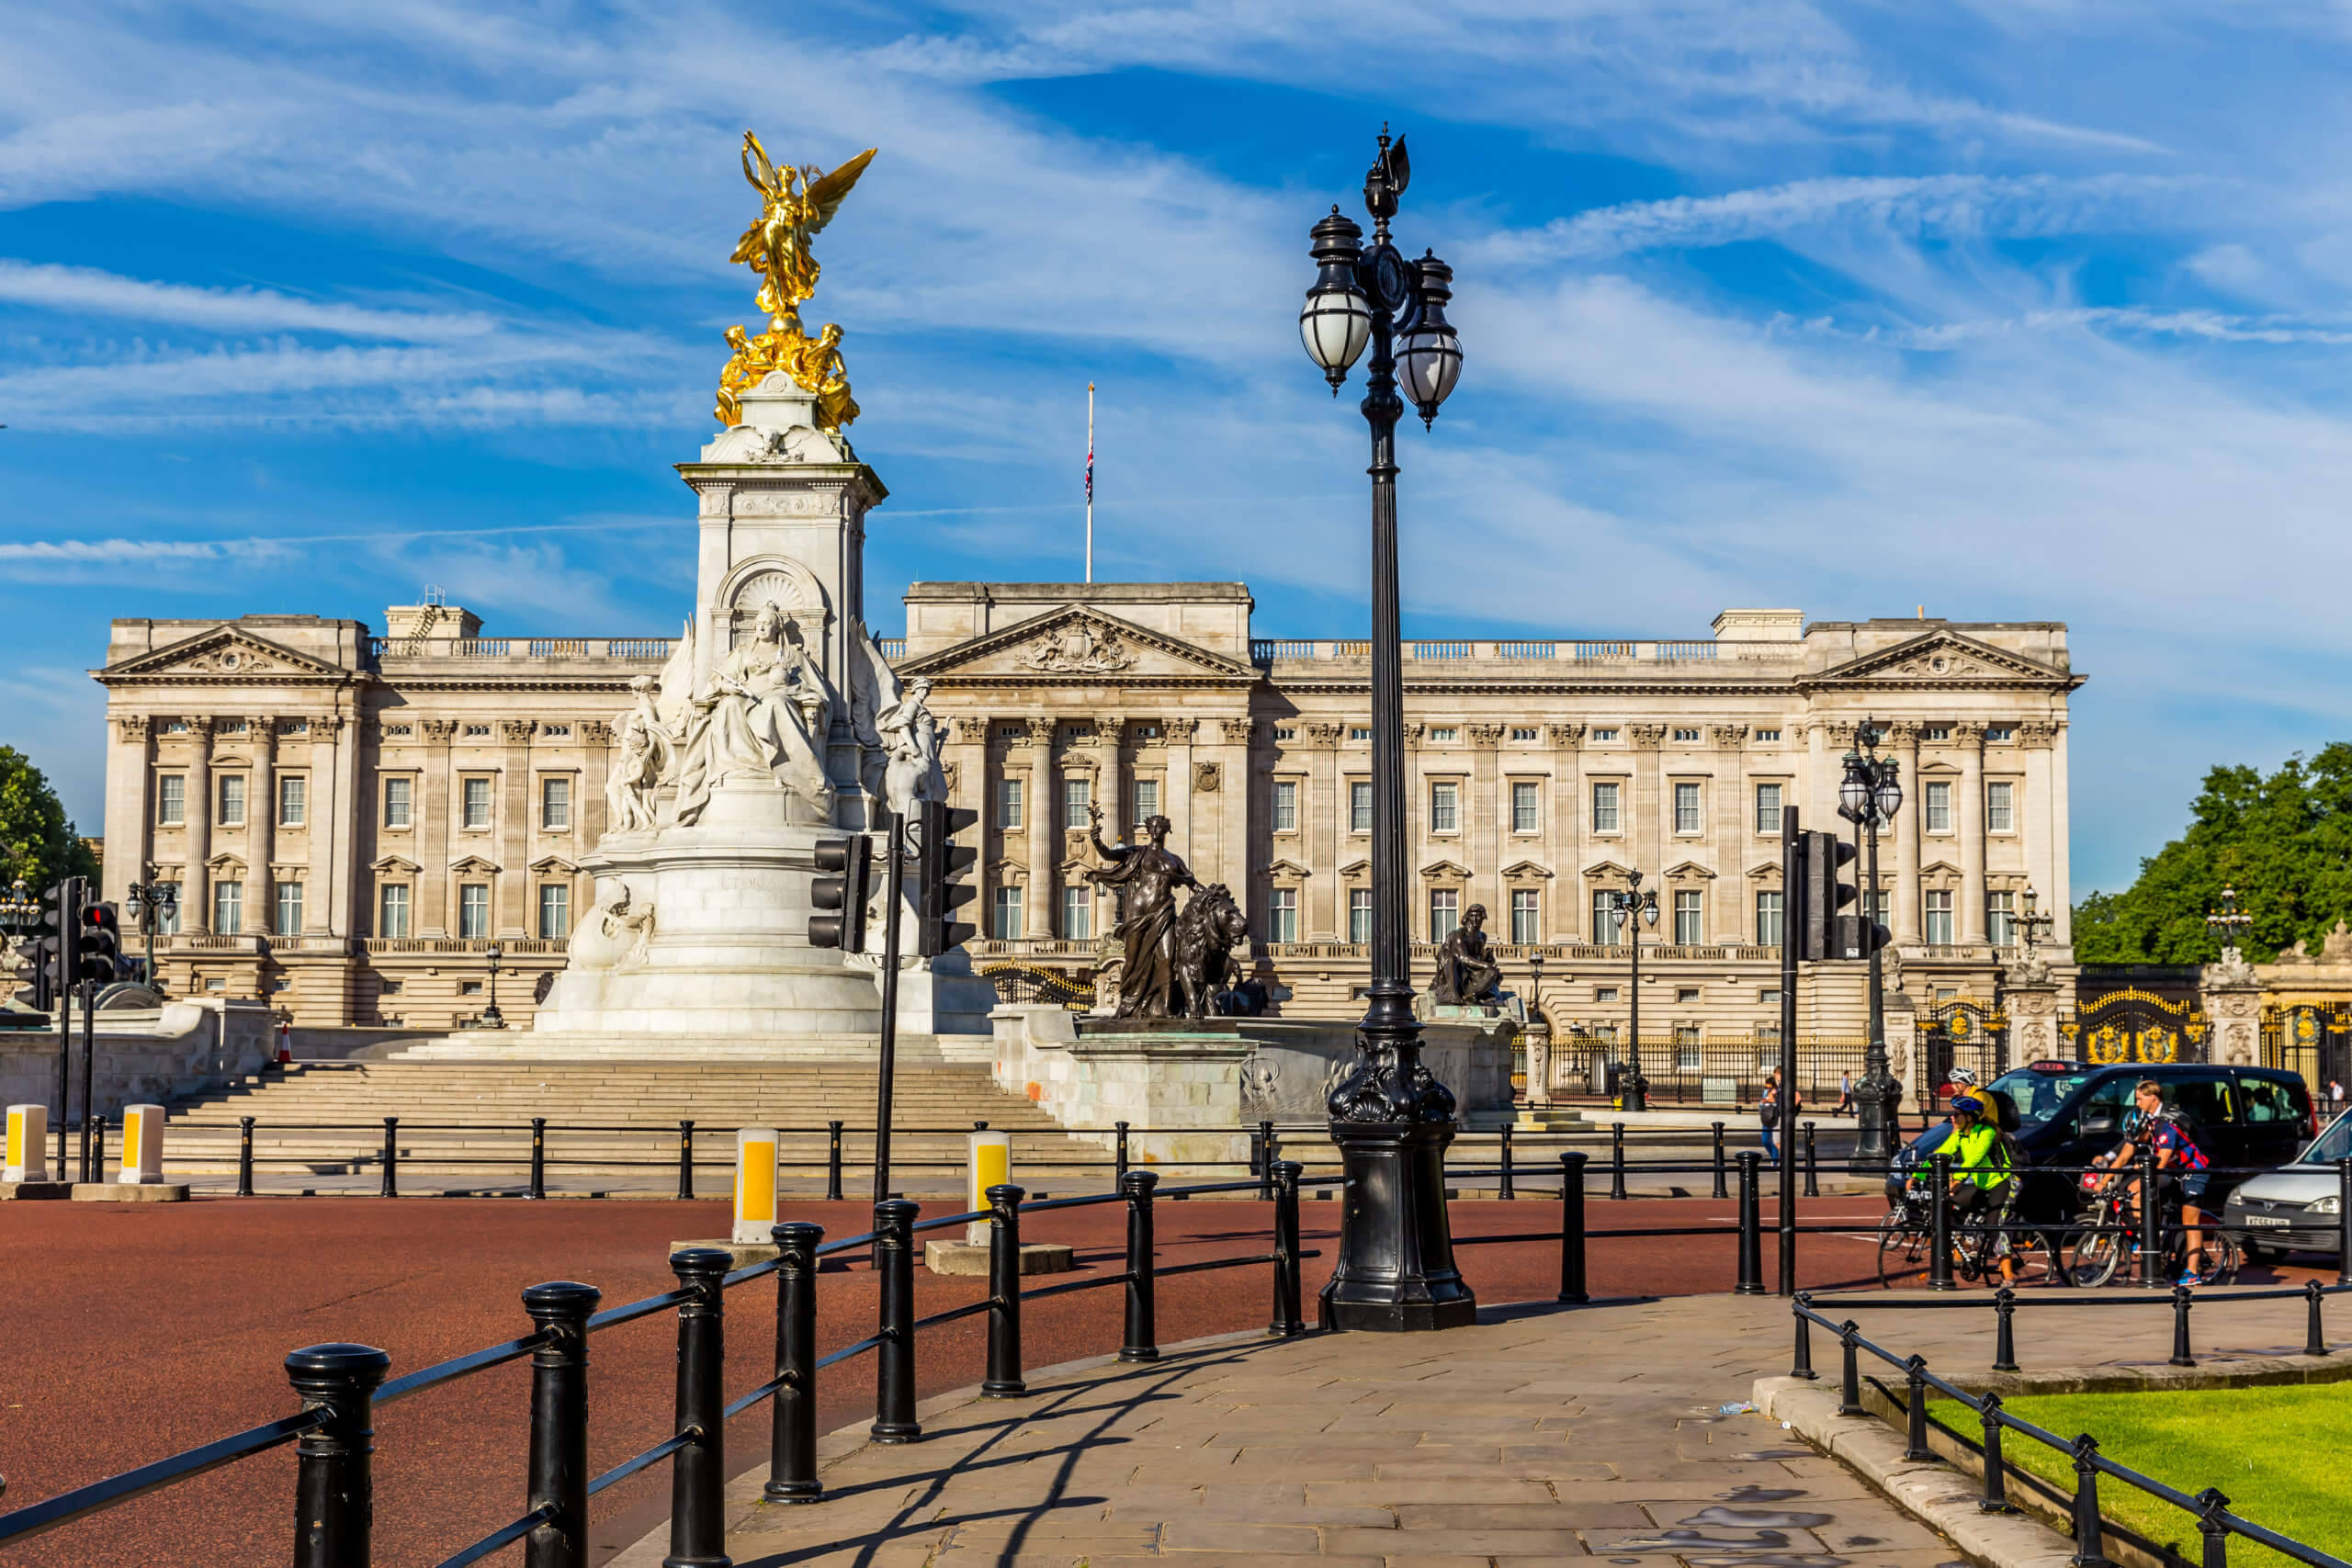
<point x="1983" y="1177"/>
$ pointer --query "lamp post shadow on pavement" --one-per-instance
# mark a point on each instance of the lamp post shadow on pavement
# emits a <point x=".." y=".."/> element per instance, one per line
<point x="1390" y="1117"/>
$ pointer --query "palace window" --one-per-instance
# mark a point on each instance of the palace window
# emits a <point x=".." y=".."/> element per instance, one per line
<point x="555" y="731"/>
<point x="1765" y="734"/>
<point x="1937" y="910"/>
<point x="1687" y="816"/>
<point x="175" y="726"/>
<point x="398" y="732"/>
<point x="229" y="908"/>
<point x="469" y="987"/>
<point x="1444" y="736"/>
<point x="1445" y="912"/>
<point x="555" y="805"/>
<point x="232" y="800"/>
<point x="2000" y="732"/>
<point x="1767" y="808"/>
<point x="473" y="909"/>
<point x="477" y="732"/>
<point x="171" y="800"/>
<point x="233" y="726"/>
<point x="477" y="803"/>
<point x="1146" y="800"/>
<point x="1359" y="914"/>
<point x="1008" y="805"/>
<point x="1525" y="732"/>
<point x="1281" y="914"/>
<point x="1526" y="917"/>
<point x="1604" y="806"/>
<point x="290" y="908"/>
<point x="1686" y="994"/>
<point x="1604" y="735"/>
<point x="1445" y="806"/>
<point x="1767" y="920"/>
<point x="1608" y="925"/>
<point x="1004" y="914"/>
<point x="1605" y="993"/>
<point x="391" y="910"/>
<point x="1359" y="733"/>
<point x="1078" y="914"/>
<point x="1687" y="1052"/>
<point x="2000" y="806"/>
<point x="293" y="727"/>
<point x="1524" y="818"/>
<point x="293" y="801"/>
<point x="1939" y="806"/>
<point x="1285" y="805"/>
<point x="1078" y="794"/>
<point x="396" y="802"/>
<point x="2000" y="918"/>
<point x="1358" y="807"/>
<point x="1144" y="731"/>
<point x="1689" y="930"/>
<point x="555" y="911"/>
<point x="1936" y="732"/>
<point x="1686" y="737"/>
<point x="1286" y="732"/>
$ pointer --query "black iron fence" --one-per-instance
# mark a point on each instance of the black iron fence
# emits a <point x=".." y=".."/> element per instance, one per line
<point x="1692" y="1068"/>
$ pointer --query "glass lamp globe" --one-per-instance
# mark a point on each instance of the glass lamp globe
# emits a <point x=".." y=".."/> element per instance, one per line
<point x="1649" y="911"/>
<point x="1429" y="357"/>
<point x="1336" y="322"/>
<point x="1888" y="794"/>
<point x="1853" y="793"/>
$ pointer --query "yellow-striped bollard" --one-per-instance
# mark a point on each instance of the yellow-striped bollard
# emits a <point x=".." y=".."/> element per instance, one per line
<point x="754" y="1184"/>
<point x="27" y="1160"/>
<point x="142" y="1145"/>
<point x="989" y="1160"/>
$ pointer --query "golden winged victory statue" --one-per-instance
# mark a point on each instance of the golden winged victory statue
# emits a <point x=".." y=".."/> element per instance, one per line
<point x="795" y="204"/>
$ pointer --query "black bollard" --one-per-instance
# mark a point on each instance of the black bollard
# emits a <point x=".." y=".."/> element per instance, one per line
<point x="1812" y="1166"/>
<point x="2180" y="1301"/>
<point x="559" y="1475"/>
<point x="1915" y="1439"/>
<point x="1266" y="1162"/>
<point x="1119" y="1160"/>
<point x="1287" y="1324"/>
<point x="1142" y="1336"/>
<point x="1721" y="1191"/>
<point x="2315" y="1329"/>
<point x="1849" y="1370"/>
<point x="1996" y="1496"/>
<point x="792" y="1439"/>
<point x="244" y="1156"/>
<point x="392" y="1188"/>
<point x="97" y="1156"/>
<point x="2344" y="1222"/>
<point x="698" y="1471"/>
<point x="1751" y="1235"/>
<point x="2087" y="1552"/>
<point x="1004" y="1380"/>
<point x="894" y="1360"/>
<point x="1504" y="1188"/>
<point x="2151" y="1234"/>
<point x="2209" y="1524"/>
<point x="832" y="1162"/>
<point x="1801" y="1364"/>
<point x="1616" y="1159"/>
<point x="1939" y="1233"/>
<point x="539" y="1156"/>
<point x="1572" y="1273"/>
<point x="2004" y="1339"/>
<point x="687" y="1161"/>
<point x="335" y="1488"/>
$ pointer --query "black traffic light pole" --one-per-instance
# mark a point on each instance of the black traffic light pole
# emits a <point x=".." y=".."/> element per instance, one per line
<point x="894" y="893"/>
<point x="1791" y="923"/>
<point x="69" y="972"/>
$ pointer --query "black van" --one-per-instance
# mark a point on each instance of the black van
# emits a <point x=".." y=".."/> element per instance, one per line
<point x="2245" y="1119"/>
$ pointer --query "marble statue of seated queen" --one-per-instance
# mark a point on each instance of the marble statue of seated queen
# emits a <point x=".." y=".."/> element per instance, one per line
<point x="764" y="713"/>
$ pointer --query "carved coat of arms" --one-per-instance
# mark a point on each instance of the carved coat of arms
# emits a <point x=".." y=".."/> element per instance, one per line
<point x="1078" y="647"/>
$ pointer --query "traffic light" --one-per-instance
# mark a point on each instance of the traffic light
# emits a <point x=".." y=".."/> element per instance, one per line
<point x="844" y="881"/>
<point x="57" y="951"/>
<point x="940" y="863"/>
<point x="100" y="950"/>
<point x="1828" y="932"/>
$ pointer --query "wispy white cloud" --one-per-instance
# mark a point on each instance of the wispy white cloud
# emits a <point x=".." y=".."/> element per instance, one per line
<point x="83" y="290"/>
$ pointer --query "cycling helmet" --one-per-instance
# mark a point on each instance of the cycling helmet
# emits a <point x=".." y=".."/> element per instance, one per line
<point x="1969" y="1103"/>
<point x="1964" y="1077"/>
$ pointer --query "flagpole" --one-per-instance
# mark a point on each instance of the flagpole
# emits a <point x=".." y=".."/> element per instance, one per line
<point x="1090" y="481"/>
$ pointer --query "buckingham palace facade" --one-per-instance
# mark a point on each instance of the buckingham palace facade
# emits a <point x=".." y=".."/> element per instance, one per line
<point x="354" y="820"/>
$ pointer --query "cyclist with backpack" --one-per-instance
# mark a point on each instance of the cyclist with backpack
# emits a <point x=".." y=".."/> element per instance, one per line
<point x="1985" y="1168"/>
<point x="2179" y="1159"/>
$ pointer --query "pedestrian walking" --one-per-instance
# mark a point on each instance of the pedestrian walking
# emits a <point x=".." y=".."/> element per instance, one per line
<point x="1769" y="1111"/>
<point x="2336" y="1093"/>
<point x="1845" y="1093"/>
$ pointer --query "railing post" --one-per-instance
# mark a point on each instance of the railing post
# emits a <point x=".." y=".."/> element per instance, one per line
<point x="1801" y="1364"/>
<point x="832" y="1162"/>
<point x="1849" y="1370"/>
<point x="539" y="1156"/>
<point x="1004" y="1380"/>
<point x="2180" y="1301"/>
<point x="698" y="1471"/>
<point x="1997" y="1494"/>
<point x="1812" y="1166"/>
<point x="2314" y="1328"/>
<point x="1143" y="1334"/>
<point x="335" y="1489"/>
<point x="1914" y="1437"/>
<point x="2087" y="1546"/>
<point x="1616" y="1159"/>
<point x="391" y="1157"/>
<point x="2004" y="1339"/>
<point x="1504" y="1188"/>
<point x="1265" y="1161"/>
<point x="1287" y="1323"/>
<point x="559" y="1477"/>
<point x="2151" y="1234"/>
<point x="1940" y="1234"/>
<point x="1721" y="1170"/>
<point x="1119" y="1156"/>
<point x="97" y="1163"/>
<point x="686" y="1160"/>
<point x="792" y="1439"/>
<point x="1573" y="1287"/>
<point x="894" y="1360"/>
<point x="2210" y="1525"/>
<point x="244" y="1156"/>
<point x="1751" y="1234"/>
<point x="2344" y="1222"/>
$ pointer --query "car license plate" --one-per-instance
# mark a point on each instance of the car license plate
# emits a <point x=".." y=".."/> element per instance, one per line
<point x="2278" y="1219"/>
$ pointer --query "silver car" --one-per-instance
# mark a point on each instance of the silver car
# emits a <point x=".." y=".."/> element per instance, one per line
<point x="2294" y="1208"/>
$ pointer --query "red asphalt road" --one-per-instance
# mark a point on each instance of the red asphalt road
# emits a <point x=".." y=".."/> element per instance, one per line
<point x="134" y="1331"/>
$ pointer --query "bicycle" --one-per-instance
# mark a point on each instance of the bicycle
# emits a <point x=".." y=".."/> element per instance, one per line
<point x="1907" y="1247"/>
<point x="2109" y="1240"/>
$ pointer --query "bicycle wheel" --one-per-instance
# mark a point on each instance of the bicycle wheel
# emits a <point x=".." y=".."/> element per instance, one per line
<point x="2033" y="1258"/>
<point x="1902" y="1252"/>
<point x="2093" y="1258"/>
<point x="2223" y="1257"/>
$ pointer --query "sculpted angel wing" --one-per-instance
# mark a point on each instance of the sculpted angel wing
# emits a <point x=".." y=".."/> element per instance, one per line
<point x="678" y="683"/>
<point x="757" y="166"/>
<point x="824" y="194"/>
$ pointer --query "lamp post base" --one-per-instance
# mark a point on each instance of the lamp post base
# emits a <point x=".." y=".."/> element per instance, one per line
<point x="1396" y="1272"/>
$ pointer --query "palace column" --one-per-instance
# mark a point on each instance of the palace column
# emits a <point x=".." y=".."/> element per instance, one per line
<point x="509" y="916"/>
<point x="1322" y="828"/>
<point x="595" y="772"/>
<point x="1110" y="736"/>
<point x="1729" y="922"/>
<point x="1905" y="839"/>
<point x="433" y="800"/>
<point x="1045" y="831"/>
<point x="1969" y="813"/>
<point x="261" y="827"/>
<point x="130" y="809"/>
<point x="345" y="821"/>
<point x="196" y="885"/>
<point x="1486" y="828"/>
<point x="1225" y="849"/>
<point x="2041" y="817"/>
<point x="1176" y="802"/>
<point x="1564" y="834"/>
<point x="964" y="759"/>
<point x="1648" y="829"/>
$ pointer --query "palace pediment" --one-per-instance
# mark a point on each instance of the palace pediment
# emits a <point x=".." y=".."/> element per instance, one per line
<point x="222" y="656"/>
<point x="1943" y="658"/>
<point x="1076" y="644"/>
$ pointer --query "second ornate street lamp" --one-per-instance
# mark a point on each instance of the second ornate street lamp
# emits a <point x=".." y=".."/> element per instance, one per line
<point x="1633" y="908"/>
<point x="1390" y="1117"/>
<point x="20" y="910"/>
<point x="2229" y="922"/>
<point x="1869" y="796"/>
<point x="491" y="1017"/>
<point x="152" y="905"/>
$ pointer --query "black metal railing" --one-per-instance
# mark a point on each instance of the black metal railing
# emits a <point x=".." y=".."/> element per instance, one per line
<point x="2208" y="1509"/>
<point x="342" y="1385"/>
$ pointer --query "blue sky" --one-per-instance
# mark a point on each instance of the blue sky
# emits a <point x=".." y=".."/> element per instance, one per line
<point x="2024" y="310"/>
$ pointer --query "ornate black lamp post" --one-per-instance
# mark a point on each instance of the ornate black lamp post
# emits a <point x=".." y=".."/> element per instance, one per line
<point x="1633" y="908"/>
<point x="152" y="905"/>
<point x="491" y="1017"/>
<point x="1869" y="796"/>
<point x="2229" y="922"/>
<point x="2034" y="925"/>
<point x="1390" y="1117"/>
<point x="20" y="910"/>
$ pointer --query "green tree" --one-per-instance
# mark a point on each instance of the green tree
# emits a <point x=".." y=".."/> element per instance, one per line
<point x="2283" y="842"/>
<point x="37" y="840"/>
